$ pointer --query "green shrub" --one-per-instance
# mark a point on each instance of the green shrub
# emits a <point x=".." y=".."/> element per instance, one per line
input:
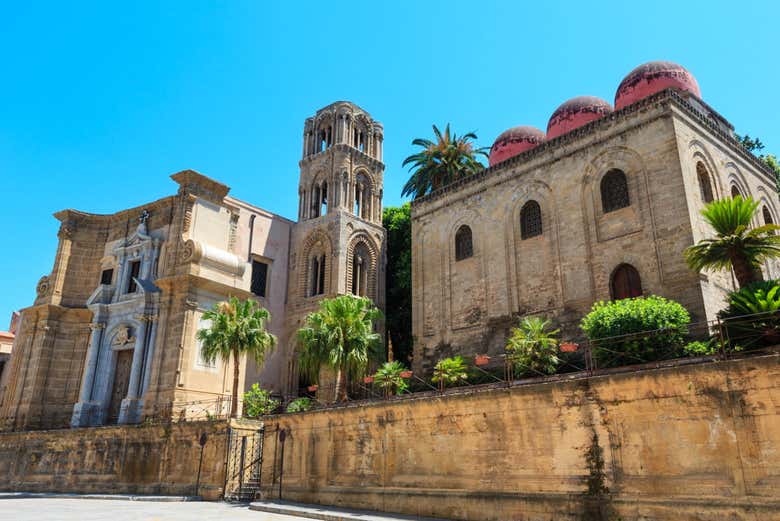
<point x="532" y="346"/>
<point x="388" y="378"/>
<point x="258" y="401"/>
<point x="663" y="324"/>
<point x="699" y="348"/>
<point x="300" y="405"/>
<point x="761" y="299"/>
<point x="450" y="371"/>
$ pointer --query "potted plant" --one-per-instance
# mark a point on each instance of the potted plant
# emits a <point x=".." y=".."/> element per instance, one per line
<point x="368" y="379"/>
<point x="569" y="347"/>
<point x="405" y="374"/>
<point x="532" y="347"/>
<point x="389" y="377"/>
<point x="313" y="388"/>
<point x="450" y="371"/>
<point x="481" y="360"/>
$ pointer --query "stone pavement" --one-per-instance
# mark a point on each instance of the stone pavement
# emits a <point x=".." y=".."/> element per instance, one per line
<point x="66" y="508"/>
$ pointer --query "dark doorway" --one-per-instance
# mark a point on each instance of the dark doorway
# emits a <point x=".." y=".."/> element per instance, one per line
<point x="124" y="362"/>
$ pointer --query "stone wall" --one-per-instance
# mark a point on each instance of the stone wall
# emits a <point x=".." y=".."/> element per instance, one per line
<point x="159" y="460"/>
<point x="692" y="442"/>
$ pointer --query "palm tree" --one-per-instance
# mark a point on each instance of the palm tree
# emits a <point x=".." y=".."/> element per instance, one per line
<point x="441" y="162"/>
<point x="388" y="377"/>
<point x="340" y="336"/>
<point x="735" y="244"/>
<point x="237" y="328"/>
<point x="450" y="371"/>
<point x="533" y="346"/>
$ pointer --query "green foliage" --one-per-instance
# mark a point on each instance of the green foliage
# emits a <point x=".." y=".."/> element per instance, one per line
<point x="441" y="162"/>
<point x="300" y="405"/>
<point x="388" y="377"/>
<point x="341" y="336"/>
<point x="752" y="318"/>
<point x="237" y="328"/>
<point x="608" y="323"/>
<point x="735" y="245"/>
<point x="450" y="371"/>
<point x="699" y="348"/>
<point x="398" y="223"/>
<point x="258" y="402"/>
<point x="770" y="160"/>
<point x="533" y="347"/>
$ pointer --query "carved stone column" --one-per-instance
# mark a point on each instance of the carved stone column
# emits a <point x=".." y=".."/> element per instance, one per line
<point x="131" y="407"/>
<point x="84" y="411"/>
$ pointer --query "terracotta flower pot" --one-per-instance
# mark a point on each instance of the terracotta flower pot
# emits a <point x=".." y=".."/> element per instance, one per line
<point x="406" y="374"/>
<point x="368" y="379"/>
<point x="481" y="360"/>
<point x="313" y="388"/>
<point x="569" y="347"/>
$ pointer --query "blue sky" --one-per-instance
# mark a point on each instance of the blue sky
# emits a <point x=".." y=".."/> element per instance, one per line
<point x="102" y="101"/>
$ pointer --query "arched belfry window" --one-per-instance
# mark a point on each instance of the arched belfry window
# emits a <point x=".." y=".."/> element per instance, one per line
<point x="705" y="187"/>
<point x="614" y="191"/>
<point x="625" y="283"/>
<point x="463" y="245"/>
<point x="317" y="275"/>
<point x="530" y="220"/>
<point x="360" y="267"/>
<point x="735" y="191"/>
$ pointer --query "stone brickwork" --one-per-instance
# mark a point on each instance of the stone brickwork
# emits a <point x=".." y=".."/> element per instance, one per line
<point x="685" y="443"/>
<point x="467" y="306"/>
<point x="157" y="460"/>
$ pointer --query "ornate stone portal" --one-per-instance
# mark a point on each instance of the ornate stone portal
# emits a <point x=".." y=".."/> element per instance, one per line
<point x="125" y="307"/>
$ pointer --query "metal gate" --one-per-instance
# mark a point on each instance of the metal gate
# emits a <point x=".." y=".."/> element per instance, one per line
<point x="244" y="464"/>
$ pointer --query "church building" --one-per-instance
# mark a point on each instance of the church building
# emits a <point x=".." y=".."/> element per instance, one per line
<point x="599" y="207"/>
<point x="111" y="335"/>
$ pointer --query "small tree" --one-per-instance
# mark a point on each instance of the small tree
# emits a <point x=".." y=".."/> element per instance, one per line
<point x="300" y="405"/>
<point x="258" y="402"/>
<point x="735" y="245"/>
<point x="532" y="346"/>
<point x="340" y="336"/>
<point x="450" y="371"/>
<point x="388" y="377"/>
<point x="237" y="328"/>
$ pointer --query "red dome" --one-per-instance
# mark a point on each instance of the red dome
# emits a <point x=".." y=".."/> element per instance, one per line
<point x="653" y="77"/>
<point x="575" y="113"/>
<point x="514" y="141"/>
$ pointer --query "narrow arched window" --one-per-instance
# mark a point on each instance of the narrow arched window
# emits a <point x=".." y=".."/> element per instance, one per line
<point x="614" y="191"/>
<point x="767" y="216"/>
<point x="735" y="191"/>
<point x="704" y="182"/>
<point x="463" y="246"/>
<point x="360" y="265"/>
<point x="530" y="220"/>
<point x="625" y="283"/>
<point x="317" y="276"/>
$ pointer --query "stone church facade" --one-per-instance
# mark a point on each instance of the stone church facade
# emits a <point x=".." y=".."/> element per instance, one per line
<point x="110" y="337"/>
<point x="600" y="207"/>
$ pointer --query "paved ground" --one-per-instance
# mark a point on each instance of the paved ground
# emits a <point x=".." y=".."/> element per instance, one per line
<point x="65" y="509"/>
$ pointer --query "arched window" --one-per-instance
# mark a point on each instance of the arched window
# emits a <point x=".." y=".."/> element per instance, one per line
<point x="625" y="283"/>
<point x="463" y="247"/>
<point x="530" y="220"/>
<point x="767" y="216"/>
<point x="704" y="182"/>
<point x="614" y="191"/>
<point x="323" y="199"/>
<point x="363" y="195"/>
<point x="735" y="191"/>
<point x="317" y="276"/>
<point x="360" y="267"/>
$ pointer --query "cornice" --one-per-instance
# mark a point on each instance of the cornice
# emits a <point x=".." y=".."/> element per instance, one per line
<point x="342" y="147"/>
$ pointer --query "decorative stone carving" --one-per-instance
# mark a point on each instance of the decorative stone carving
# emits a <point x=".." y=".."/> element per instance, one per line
<point x="212" y="257"/>
<point x="123" y="337"/>
<point x="43" y="286"/>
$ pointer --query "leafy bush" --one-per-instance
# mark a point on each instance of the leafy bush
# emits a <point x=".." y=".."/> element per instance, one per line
<point x="450" y="371"/>
<point x="300" y="405"/>
<point x="388" y="378"/>
<point x="258" y="401"/>
<point x="761" y="299"/>
<point x="532" y="347"/>
<point x="614" y="330"/>
<point x="699" y="348"/>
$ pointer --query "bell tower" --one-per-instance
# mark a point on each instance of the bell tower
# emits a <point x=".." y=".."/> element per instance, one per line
<point x="338" y="245"/>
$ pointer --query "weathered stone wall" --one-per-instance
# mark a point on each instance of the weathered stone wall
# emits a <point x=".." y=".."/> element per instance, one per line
<point x="696" y="442"/>
<point x="159" y="460"/>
